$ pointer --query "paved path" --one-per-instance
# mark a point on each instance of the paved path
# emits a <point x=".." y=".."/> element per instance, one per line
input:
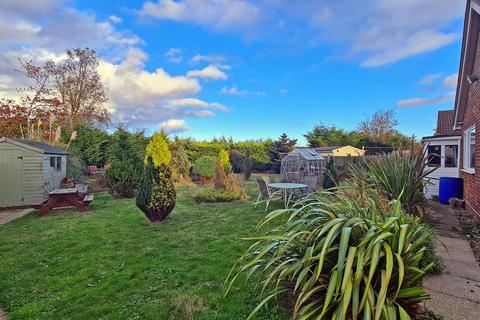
<point x="5" y="217"/>
<point x="10" y="215"/>
<point x="456" y="293"/>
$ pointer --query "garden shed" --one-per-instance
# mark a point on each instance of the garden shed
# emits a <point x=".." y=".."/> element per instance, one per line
<point x="302" y="163"/>
<point x="29" y="170"/>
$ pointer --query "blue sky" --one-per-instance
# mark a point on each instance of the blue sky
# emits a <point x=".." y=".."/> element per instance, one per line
<point x="251" y="69"/>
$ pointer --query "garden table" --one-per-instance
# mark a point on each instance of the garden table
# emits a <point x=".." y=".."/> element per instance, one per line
<point x="288" y="188"/>
<point x="64" y="198"/>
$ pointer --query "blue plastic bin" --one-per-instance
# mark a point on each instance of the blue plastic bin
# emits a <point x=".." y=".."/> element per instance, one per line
<point x="450" y="188"/>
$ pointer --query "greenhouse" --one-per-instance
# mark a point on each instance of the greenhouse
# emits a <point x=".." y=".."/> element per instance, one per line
<point x="302" y="163"/>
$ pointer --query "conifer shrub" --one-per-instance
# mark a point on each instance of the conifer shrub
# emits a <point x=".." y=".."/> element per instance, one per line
<point x="236" y="159"/>
<point x="247" y="166"/>
<point x="204" y="167"/>
<point x="122" y="177"/>
<point x="156" y="195"/>
<point x="225" y="161"/>
<point x="158" y="149"/>
<point x="220" y="176"/>
<point x="180" y="165"/>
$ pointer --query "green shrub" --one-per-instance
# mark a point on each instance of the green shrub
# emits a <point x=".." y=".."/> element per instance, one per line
<point x="157" y="148"/>
<point x="339" y="260"/>
<point x="398" y="176"/>
<point x="204" y="167"/>
<point x="219" y="195"/>
<point x="122" y="177"/>
<point x="156" y="195"/>
<point x="330" y="175"/>
<point x="91" y="145"/>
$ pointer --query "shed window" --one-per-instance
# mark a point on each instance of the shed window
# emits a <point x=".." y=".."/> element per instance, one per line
<point x="451" y="156"/>
<point x="434" y="154"/>
<point x="56" y="163"/>
<point x="469" y="149"/>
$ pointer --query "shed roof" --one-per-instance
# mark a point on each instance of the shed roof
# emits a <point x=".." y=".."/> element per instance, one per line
<point x="306" y="153"/>
<point x="35" y="146"/>
<point x="327" y="149"/>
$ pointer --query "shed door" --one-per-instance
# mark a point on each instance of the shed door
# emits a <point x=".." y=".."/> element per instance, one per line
<point x="11" y="178"/>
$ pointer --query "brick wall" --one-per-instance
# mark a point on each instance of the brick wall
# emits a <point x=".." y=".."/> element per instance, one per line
<point x="472" y="117"/>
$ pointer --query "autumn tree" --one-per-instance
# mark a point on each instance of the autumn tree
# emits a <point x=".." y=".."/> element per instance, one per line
<point x="381" y="127"/>
<point x="71" y="89"/>
<point x="12" y="115"/>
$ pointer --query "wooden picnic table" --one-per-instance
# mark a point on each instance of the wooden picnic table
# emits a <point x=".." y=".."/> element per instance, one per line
<point x="67" y="197"/>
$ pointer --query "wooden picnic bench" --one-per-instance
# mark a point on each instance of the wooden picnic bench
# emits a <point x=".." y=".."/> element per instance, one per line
<point x="67" y="197"/>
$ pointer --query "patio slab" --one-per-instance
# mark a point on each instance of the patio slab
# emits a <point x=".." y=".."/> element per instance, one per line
<point x="456" y="293"/>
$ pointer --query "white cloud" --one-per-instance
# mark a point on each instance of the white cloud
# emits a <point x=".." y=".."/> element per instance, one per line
<point x="203" y="114"/>
<point x="174" y="55"/>
<point x="430" y="78"/>
<point x="115" y="19"/>
<point x="417" y="102"/>
<point x="210" y="72"/>
<point x="218" y="106"/>
<point x="174" y="126"/>
<point x="412" y="45"/>
<point x="234" y="91"/>
<point x="138" y="97"/>
<point x="219" y="14"/>
<point x="283" y="91"/>
<point x="211" y="58"/>
<point x="450" y="82"/>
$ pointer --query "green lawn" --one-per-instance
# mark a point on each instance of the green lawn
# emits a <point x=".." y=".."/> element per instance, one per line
<point x="110" y="263"/>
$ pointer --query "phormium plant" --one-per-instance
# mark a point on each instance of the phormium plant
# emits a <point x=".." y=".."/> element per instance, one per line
<point x="398" y="176"/>
<point x="338" y="260"/>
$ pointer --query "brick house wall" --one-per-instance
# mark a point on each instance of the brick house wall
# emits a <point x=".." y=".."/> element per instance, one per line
<point x="471" y="182"/>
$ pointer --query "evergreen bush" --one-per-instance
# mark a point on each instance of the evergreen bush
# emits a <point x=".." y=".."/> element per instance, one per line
<point x="330" y="175"/>
<point x="220" y="176"/>
<point x="225" y="161"/>
<point x="236" y="159"/>
<point x="204" y="167"/>
<point x="122" y="176"/>
<point x="158" y="149"/>
<point x="247" y="166"/>
<point x="180" y="165"/>
<point x="156" y="195"/>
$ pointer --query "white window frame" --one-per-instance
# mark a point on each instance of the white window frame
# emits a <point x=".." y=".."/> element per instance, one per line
<point x="466" y="149"/>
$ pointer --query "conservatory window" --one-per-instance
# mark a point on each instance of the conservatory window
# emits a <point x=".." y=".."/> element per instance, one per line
<point x="434" y="154"/>
<point x="469" y="149"/>
<point x="451" y="156"/>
